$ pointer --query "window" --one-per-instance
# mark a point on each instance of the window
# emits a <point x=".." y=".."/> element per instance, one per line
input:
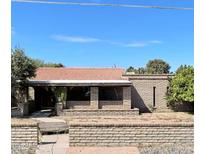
<point x="154" y="88"/>
<point x="78" y="94"/>
<point x="110" y="93"/>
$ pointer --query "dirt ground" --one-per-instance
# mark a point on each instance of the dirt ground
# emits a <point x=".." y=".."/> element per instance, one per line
<point x="22" y="121"/>
<point x="143" y="118"/>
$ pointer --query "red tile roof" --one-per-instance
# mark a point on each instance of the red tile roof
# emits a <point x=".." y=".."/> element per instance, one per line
<point x="46" y="73"/>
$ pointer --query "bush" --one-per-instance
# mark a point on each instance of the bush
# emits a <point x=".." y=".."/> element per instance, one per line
<point x="182" y="86"/>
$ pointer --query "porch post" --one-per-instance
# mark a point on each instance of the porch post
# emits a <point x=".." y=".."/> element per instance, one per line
<point x="94" y="97"/>
<point x="25" y="104"/>
<point x="59" y="108"/>
<point x="127" y="98"/>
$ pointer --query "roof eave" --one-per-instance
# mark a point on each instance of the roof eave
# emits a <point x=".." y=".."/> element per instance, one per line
<point x="79" y="83"/>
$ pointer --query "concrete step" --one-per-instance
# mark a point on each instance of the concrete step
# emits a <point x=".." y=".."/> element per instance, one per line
<point x="52" y="125"/>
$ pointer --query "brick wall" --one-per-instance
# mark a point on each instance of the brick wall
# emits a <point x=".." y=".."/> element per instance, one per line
<point x="130" y="134"/>
<point x="111" y="105"/>
<point x="94" y="97"/>
<point x="79" y="105"/>
<point x="24" y="137"/>
<point x="142" y="92"/>
<point x="102" y="112"/>
<point x="127" y="98"/>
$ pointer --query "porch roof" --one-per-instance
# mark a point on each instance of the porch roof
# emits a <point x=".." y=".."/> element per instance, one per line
<point x="79" y="83"/>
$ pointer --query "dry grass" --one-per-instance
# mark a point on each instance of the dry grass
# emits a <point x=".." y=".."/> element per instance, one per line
<point x="22" y="121"/>
<point x="172" y="116"/>
<point x="143" y="118"/>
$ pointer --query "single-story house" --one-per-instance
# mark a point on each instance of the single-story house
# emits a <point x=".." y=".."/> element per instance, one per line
<point x="99" y="89"/>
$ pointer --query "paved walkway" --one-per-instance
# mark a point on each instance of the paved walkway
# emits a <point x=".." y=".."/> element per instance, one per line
<point x="103" y="150"/>
<point x="59" y="144"/>
<point x="54" y="144"/>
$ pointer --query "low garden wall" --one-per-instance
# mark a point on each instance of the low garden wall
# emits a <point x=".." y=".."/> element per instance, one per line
<point x="100" y="112"/>
<point x="130" y="134"/>
<point x="24" y="137"/>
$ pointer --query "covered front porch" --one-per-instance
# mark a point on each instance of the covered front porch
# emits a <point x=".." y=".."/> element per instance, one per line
<point x="81" y="95"/>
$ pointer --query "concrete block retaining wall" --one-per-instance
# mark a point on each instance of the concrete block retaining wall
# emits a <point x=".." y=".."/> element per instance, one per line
<point x="130" y="134"/>
<point x="24" y="137"/>
<point x="100" y="112"/>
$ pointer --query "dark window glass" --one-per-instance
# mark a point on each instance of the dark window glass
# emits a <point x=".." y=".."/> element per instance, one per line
<point x="110" y="93"/>
<point x="78" y="94"/>
<point x="154" y="96"/>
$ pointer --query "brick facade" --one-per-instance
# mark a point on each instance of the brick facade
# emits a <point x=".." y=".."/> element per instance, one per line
<point x="127" y="98"/>
<point x="142" y="92"/>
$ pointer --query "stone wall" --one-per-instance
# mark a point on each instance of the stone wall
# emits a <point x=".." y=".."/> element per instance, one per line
<point x="102" y="112"/>
<point x="24" y="137"/>
<point x="130" y="134"/>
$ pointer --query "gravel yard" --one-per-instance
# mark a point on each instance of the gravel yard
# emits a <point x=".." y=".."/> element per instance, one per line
<point x="167" y="149"/>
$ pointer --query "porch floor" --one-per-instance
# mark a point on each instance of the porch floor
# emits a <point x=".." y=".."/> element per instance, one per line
<point x="42" y="113"/>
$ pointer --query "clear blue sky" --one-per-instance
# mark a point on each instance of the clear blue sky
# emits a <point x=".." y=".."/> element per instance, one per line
<point x="80" y="36"/>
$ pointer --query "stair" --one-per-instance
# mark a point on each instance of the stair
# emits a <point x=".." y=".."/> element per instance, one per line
<point x="51" y="125"/>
